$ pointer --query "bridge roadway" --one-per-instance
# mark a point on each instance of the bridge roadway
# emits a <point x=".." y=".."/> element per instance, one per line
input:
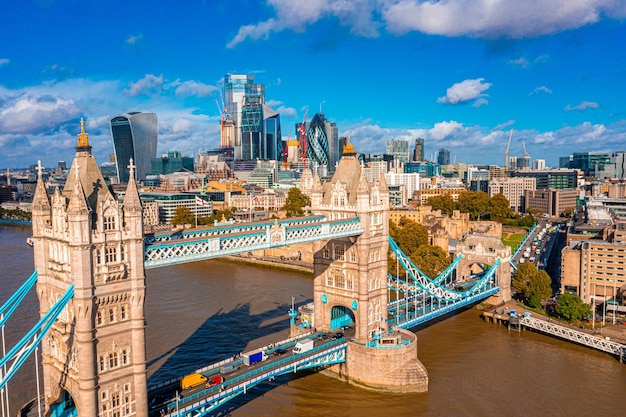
<point x="167" y="399"/>
<point x="170" y="248"/>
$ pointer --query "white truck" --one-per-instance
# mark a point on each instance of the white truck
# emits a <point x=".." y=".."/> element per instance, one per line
<point x="303" y="345"/>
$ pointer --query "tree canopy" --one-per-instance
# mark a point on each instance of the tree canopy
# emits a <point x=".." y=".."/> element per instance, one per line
<point x="477" y="203"/>
<point x="571" y="307"/>
<point x="295" y="203"/>
<point x="183" y="216"/>
<point x="532" y="285"/>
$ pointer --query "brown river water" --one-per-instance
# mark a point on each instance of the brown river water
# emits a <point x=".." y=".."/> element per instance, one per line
<point x="202" y="312"/>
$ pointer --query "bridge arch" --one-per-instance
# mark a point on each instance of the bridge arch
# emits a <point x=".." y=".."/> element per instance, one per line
<point x="478" y="250"/>
<point x="64" y="406"/>
<point x="341" y="315"/>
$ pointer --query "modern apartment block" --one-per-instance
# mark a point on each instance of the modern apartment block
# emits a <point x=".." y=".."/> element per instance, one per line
<point x="513" y="189"/>
<point x="550" y="201"/>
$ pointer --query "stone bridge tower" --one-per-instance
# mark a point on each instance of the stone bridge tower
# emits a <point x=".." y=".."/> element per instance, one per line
<point x="350" y="284"/>
<point x="93" y="358"/>
<point x="485" y="250"/>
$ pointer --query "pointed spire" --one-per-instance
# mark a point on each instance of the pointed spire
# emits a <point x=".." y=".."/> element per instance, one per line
<point x="83" y="138"/>
<point x="382" y="185"/>
<point x="363" y="187"/>
<point x="348" y="149"/>
<point x="78" y="200"/>
<point x="41" y="201"/>
<point x="132" y="202"/>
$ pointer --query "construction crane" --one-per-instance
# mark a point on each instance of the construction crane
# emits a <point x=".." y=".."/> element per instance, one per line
<point x="525" y="153"/>
<point x="224" y="142"/>
<point x="506" y="153"/>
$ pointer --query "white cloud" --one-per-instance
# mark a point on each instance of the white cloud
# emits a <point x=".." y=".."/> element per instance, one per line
<point x="480" y="102"/>
<point x="541" y="89"/>
<point x="491" y="19"/>
<point x="296" y="15"/>
<point x="584" y="105"/>
<point x="4" y="61"/>
<point x="194" y="88"/>
<point x="30" y="113"/>
<point x="464" y="91"/>
<point x="149" y="84"/>
<point x="133" y="39"/>
<point x="477" y="18"/>
<point x="522" y="62"/>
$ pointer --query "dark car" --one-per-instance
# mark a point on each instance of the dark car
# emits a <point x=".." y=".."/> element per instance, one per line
<point x="214" y="380"/>
<point x="323" y="336"/>
<point x="280" y="351"/>
<point x="337" y="335"/>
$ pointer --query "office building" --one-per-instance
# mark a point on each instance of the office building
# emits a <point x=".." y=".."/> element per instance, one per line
<point x="443" y="157"/>
<point x="551" y="202"/>
<point x="399" y="149"/>
<point x="171" y="162"/>
<point x="559" y="179"/>
<point x="593" y="164"/>
<point x="134" y="136"/>
<point x="237" y="89"/>
<point x="322" y="142"/>
<point x="260" y="131"/>
<point x="513" y="189"/>
<point x="418" y="152"/>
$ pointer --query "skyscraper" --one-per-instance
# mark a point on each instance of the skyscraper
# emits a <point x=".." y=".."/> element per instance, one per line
<point x="134" y="136"/>
<point x="443" y="157"/>
<point x="322" y="142"/>
<point x="237" y="90"/>
<point x="399" y="148"/>
<point x="418" y="153"/>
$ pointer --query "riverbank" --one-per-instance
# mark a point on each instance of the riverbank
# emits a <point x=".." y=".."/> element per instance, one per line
<point x="615" y="332"/>
<point x="270" y="262"/>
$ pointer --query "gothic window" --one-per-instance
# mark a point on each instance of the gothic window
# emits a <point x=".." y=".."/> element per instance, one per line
<point x="127" y="387"/>
<point x="325" y="252"/>
<point x="99" y="317"/>
<point x="350" y="282"/>
<point x="101" y="361"/>
<point x="123" y="312"/>
<point x="109" y="222"/>
<point x="112" y="315"/>
<point x="122" y="253"/>
<point x="113" y="360"/>
<point x="126" y="405"/>
<point x="111" y="254"/>
<point x="329" y="279"/>
<point x="340" y="253"/>
<point x="98" y="257"/>
<point x="352" y="256"/>
<point x="124" y="357"/>
<point x="115" y="404"/>
<point x="340" y="281"/>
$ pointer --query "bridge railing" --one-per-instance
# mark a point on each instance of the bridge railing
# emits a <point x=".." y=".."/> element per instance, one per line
<point x="217" y="365"/>
<point x="242" y="382"/>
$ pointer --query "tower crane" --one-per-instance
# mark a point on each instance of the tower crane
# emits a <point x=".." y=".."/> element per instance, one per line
<point x="224" y="142"/>
<point x="506" y="153"/>
<point x="524" y="145"/>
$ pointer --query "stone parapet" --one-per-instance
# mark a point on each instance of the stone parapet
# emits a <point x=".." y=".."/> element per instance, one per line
<point x="393" y="369"/>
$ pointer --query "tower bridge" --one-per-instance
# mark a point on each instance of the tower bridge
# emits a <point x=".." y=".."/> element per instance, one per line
<point x="89" y="245"/>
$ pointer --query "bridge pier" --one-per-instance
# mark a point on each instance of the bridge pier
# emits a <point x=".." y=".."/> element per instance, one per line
<point x="389" y="369"/>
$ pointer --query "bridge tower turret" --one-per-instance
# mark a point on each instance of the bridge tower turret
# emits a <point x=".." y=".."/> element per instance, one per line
<point x="93" y="357"/>
<point x="350" y="273"/>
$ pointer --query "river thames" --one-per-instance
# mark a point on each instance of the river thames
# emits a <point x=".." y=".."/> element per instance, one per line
<point x="202" y="312"/>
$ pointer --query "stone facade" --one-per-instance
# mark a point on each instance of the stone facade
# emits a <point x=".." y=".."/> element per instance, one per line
<point x="95" y="352"/>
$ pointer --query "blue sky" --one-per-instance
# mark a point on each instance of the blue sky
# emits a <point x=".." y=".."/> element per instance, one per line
<point x="458" y="73"/>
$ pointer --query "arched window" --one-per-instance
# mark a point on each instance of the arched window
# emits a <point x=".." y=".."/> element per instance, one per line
<point x="124" y="357"/>
<point x="109" y="222"/>
<point x="101" y="361"/>
<point x="340" y="253"/>
<point x="113" y="360"/>
<point x="99" y="317"/>
<point x="123" y="312"/>
<point x="111" y="315"/>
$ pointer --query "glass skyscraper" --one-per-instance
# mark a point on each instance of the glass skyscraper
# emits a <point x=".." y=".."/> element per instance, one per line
<point x="399" y="148"/>
<point x="237" y="90"/>
<point x="322" y="142"/>
<point x="443" y="157"/>
<point x="134" y="136"/>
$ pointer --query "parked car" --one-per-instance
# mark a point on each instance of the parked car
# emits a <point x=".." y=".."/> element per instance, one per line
<point x="337" y="335"/>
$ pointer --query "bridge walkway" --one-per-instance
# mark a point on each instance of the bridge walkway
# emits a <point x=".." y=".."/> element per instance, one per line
<point x="168" y="399"/>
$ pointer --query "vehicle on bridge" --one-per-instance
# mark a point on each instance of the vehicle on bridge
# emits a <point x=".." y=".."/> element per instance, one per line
<point x="254" y="357"/>
<point x="303" y="346"/>
<point x="213" y="381"/>
<point x="192" y="380"/>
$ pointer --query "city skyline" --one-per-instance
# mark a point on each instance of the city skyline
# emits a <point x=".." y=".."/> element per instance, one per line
<point x="458" y="74"/>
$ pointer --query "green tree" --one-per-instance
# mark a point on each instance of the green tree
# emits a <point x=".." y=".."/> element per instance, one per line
<point x="295" y="202"/>
<point x="183" y="216"/>
<point x="409" y="235"/>
<point x="499" y="207"/>
<point x="431" y="260"/>
<point x="571" y="307"/>
<point x="476" y="203"/>
<point x="532" y="285"/>
<point x="445" y="203"/>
